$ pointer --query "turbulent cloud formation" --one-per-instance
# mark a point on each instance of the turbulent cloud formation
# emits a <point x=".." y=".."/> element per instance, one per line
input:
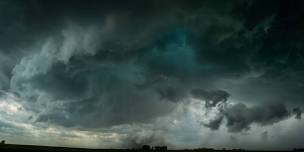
<point x="212" y="98"/>
<point x="239" y="117"/>
<point x="160" y="72"/>
<point x="297" y="112"/>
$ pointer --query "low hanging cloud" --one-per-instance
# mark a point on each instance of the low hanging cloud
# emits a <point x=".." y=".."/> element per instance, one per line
<point x="297" y="112"/>
<point x="239" y="117"/>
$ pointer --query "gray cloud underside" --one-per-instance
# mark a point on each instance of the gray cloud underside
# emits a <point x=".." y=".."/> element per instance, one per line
<point x="107" y="63"/>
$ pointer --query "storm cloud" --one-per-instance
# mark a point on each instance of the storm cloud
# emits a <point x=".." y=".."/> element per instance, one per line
<point x="239" y="117"/>
<point x="212" y="98"/>
<point x="97" y="65"/>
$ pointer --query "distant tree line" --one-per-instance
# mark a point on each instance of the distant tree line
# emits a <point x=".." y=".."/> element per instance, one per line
<point x="155" y="148"/>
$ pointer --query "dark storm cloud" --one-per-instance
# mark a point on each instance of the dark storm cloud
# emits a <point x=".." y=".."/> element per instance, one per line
<point x="212" y="98"/>
<point x="297" y="112"/>
<point x="103" y="63"/>
<point x="239" y="117"/>
<point x="215" y="123"/>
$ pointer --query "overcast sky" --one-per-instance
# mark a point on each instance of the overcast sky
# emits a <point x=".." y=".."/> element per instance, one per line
<point x="120" y="74"/>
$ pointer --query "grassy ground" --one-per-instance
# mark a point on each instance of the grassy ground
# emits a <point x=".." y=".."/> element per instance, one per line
<point x="32" y="148"/>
